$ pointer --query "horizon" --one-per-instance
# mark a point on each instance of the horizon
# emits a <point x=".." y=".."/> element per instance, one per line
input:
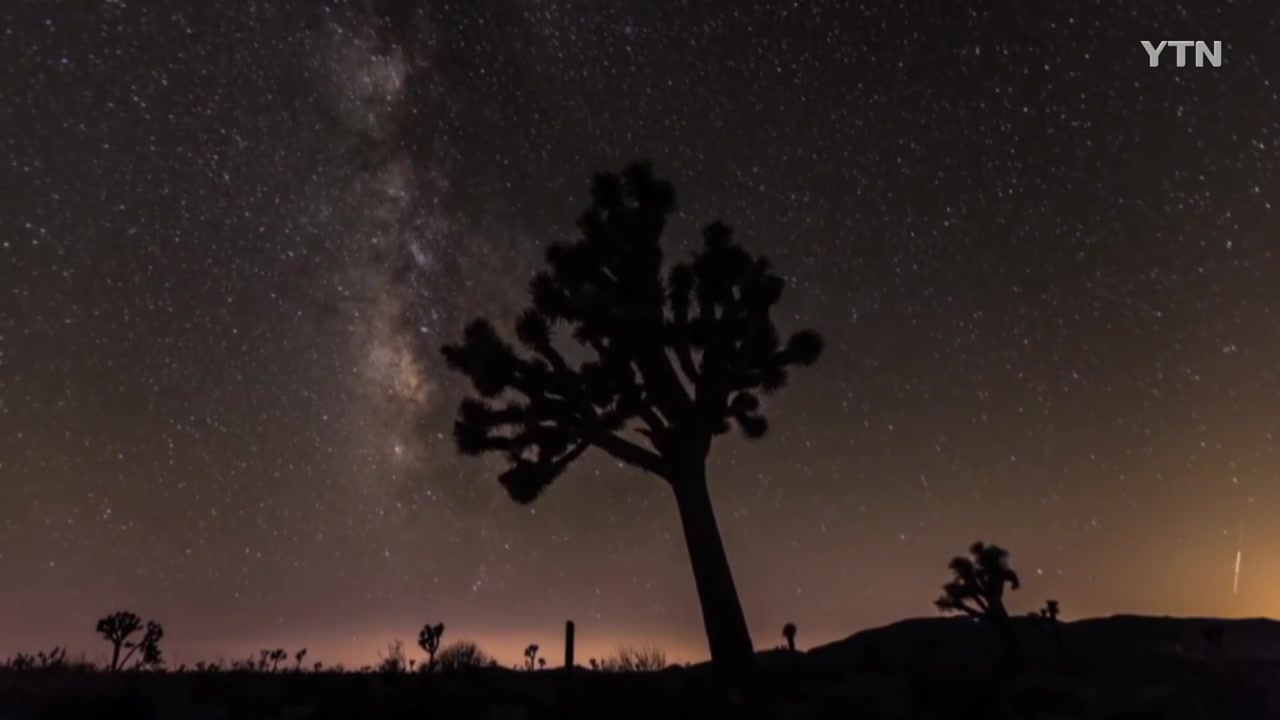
<point x="510" y="652"/>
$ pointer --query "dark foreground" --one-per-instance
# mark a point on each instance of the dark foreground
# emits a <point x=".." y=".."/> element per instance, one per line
<point x="1118" y="668"/>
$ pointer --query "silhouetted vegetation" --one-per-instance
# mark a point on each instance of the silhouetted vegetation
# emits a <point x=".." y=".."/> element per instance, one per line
<point x="1048" y="621"/>
<point x="977" y="589"/>
<point x="462" y="655"/>
<point x="394" y="661"/>
<point x="429" y="638"/>
<point x="55" y="659"/>
<point x="530" y="657"/>
<point x="629" y="659"/>
<point x="676" y="360"/>
<point x="789" y="632"/>
<point x="568" y="644"/>
<point x="1139" y="667"/>
<point x="271" y="659"/>
<point x="119" y="627"/>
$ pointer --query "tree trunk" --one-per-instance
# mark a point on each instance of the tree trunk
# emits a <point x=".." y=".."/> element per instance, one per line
<point x="732" y="654"/>
<point x="1010" y="659"/>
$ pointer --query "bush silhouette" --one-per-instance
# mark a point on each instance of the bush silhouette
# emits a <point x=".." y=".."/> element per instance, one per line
<point x="394" y="662"/>
<point x="429" y="640"/>
<point x="977" y="590"/>
<point x="55" y="659"/>
<point x="789" y="632"/>
<point x="628" y="659"/>
<point x="462" y="655"/>
<point x="118" y="627"/>
<point x="675" y="361"/>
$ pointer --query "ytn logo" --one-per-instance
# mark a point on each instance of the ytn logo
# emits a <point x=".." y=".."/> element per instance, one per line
<point x="1202" y="51"/>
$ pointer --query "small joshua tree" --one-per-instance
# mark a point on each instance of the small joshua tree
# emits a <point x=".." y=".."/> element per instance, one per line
<point x="429" y="640"/>
<point x="1048" y="617"/>
<point x="530" y="657"/>
<point x="542" y="663"/>
<point x="276" y="657"/>
<point x="789" y="632"/>
<point x="977" y="589"/>
<point x="1050" y="611"/>
<point x="297" y="657"/>
<point x="673" y="359"/>
<point x="151" y="657"/>
<point x="119" y="627"/>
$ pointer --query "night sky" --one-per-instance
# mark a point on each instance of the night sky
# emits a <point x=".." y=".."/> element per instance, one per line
<point x="1047" y="275"/>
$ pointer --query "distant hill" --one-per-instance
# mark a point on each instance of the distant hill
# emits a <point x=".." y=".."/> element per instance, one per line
<point x="938" y="643"/>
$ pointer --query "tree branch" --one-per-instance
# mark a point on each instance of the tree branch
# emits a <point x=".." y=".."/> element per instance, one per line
<point x="628" y="452"/>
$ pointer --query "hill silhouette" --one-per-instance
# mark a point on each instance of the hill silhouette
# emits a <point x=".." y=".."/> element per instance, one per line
<point x="929" y="644"/>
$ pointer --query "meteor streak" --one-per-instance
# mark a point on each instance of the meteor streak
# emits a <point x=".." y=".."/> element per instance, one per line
<point x="1235" y="584"/>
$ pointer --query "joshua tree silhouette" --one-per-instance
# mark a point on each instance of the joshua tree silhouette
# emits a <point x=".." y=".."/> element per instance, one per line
<point x="152" y="656"/>
<point x="118" y="627"/>
<point x="1048" y="617"/>
<point x="276" y="657"/>
<point x="429" y="640"/>
<point x="675" y="362"/>
<point x="789" y="632"/>
<point x="530" y="657"/>
<point x="1050" y="611"/>
<point x="298" y="659"/>
<point x="977" y="589"/>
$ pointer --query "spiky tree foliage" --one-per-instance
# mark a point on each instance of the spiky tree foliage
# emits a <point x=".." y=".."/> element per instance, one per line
<point x="119" y="627"/>
<point x="789" y="632"/>
<point x="276" y="657"/>
<point x="977" y="589"/>
<point x="978" y="584"/>
<point x="149" y="646"/>
<point x="429" y="640"/>
<point x="297" y="657"/>
<point x="530" y="657"/>
<point x="673" y="360"/>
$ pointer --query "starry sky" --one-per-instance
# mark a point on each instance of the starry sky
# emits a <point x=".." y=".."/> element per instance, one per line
<point x="1045" y="271"/>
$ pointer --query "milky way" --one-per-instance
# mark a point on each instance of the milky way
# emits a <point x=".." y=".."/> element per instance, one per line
<point x="233" y="238"/>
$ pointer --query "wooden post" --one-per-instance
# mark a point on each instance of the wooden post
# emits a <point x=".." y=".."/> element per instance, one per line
<point x="568" y="645"/>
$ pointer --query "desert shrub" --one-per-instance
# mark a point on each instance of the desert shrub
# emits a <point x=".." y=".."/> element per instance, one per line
<point x="55" y="659"/>
<point x="462" y="655"/>
<point x="629" y="659"/>
<point x="394" y="661"/>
